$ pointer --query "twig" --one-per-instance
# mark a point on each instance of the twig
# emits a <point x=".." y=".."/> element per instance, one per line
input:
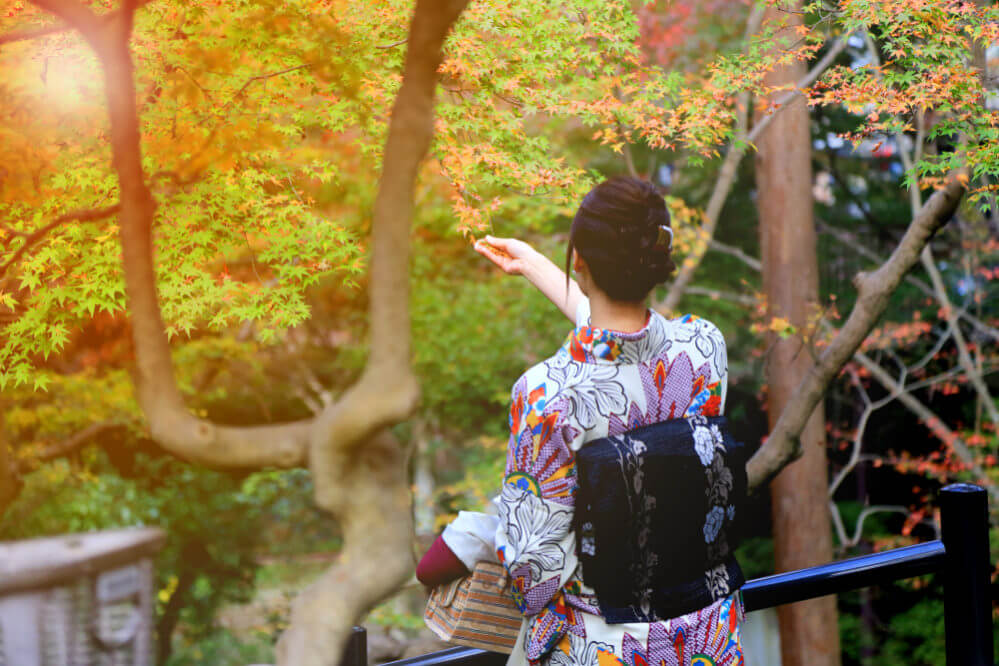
<point x="393" y="44"/>
<point x="67" y="446"/>
<point x="716" y="294"/>
<point x="90" y="215"/>
<point x="950" y="439"/>
<point x="926" y="258"/>
<point x="807" y="80"/>
<point x="200" y="87"/>
<point x="870" y="510"/>
<point x="929" y="265"/>
<point x="736" y="252"/>
<point x="261" y="77"/>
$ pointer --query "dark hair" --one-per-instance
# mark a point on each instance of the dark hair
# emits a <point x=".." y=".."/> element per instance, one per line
<point x="617" y="232"/>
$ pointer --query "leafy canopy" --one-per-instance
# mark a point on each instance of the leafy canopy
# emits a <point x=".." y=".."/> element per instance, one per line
<point x="262" y="127"/>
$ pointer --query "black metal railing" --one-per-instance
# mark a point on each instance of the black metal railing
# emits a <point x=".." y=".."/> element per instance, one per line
<point x="961" y="557"/>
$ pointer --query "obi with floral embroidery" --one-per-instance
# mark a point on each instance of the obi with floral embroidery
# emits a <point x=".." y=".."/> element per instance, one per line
<point x="646" y="560"/>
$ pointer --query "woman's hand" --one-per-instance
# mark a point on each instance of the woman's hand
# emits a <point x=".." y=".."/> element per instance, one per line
<point x="510" y="254"/>
<point x="515" y="257"/>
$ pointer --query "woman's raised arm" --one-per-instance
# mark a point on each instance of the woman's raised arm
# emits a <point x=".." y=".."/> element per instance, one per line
<point x="515" y="257"/>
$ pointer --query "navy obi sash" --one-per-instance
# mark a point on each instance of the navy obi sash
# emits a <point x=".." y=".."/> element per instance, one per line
<point x="655" y="518"/>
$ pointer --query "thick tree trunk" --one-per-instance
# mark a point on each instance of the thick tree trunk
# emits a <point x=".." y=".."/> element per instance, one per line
<point x="802" y="536"/>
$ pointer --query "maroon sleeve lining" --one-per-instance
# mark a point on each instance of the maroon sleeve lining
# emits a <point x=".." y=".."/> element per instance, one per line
<point x="440" y="565"/>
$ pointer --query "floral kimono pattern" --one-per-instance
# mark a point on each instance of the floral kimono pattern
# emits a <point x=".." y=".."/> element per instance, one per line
<point x="601" y="383"/>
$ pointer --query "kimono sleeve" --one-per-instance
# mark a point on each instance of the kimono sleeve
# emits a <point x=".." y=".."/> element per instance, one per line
<point x="534" y="537"/>
<point x="471" y="537"/>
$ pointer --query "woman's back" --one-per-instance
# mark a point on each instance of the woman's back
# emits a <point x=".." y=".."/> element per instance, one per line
<point x="599" y="383"/>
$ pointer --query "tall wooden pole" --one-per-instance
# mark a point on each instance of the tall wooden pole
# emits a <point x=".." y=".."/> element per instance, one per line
<point x="801" y="521"/>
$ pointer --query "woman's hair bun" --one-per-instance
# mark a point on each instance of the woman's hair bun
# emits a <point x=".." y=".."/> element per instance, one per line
<point x="619" y="232"/>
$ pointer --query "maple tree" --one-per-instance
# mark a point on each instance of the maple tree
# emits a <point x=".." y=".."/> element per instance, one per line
<point x="221" y="128"/>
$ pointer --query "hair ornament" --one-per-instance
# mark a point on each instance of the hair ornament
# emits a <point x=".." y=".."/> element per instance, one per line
<point x="665" y="240"/>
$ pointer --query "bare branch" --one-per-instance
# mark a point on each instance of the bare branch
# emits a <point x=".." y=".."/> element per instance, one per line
<point x="857" y="443"/>
<point x="928" y="356"/>
<point x="858" y="531"/>
<point x="261" y="77"/>
<point x="814" y="73"/>
<point x="393" y="44"/>
<point x="895" y="388"/>
<point x="929" y="265"/>
<point x="873" y="292"/>
<point x="738" y="253"/>
<point x="837" y="521"/>
<point x="949" y="438"/>
<point x="963" y="357"/>
<point x="869" y="511"/>
<point x="727" y="172"/>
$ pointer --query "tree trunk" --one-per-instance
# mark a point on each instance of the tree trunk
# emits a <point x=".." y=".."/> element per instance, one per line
<point x="171" y="614"/>
<point x="802" y="536"/>
<point x="10" y="485"/>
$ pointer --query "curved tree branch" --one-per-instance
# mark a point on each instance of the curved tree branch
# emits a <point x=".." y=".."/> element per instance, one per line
<point x="35" y="33"/>
<point x="873" y="292"/>
<point x="68" y="445"/>
<point x="851" y="242"/>
<point x="387" y="391"/>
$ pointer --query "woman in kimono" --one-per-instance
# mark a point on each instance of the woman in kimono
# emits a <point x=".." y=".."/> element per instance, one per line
<point x="622" y="367"/>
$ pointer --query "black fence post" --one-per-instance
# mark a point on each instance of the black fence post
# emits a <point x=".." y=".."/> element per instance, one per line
<point x="355" y="653"/>
<point x="964" y="518"/>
